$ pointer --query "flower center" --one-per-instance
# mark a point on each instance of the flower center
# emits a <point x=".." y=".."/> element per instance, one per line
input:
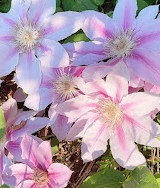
<point x="109" y="113"/>
<point x="26" y="36"/>
<point x="64" y="86"/>
<point x="121" y="44"/>
<point x="40" y="177"/>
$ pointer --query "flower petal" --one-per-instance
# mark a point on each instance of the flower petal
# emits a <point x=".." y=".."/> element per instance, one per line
<point x="39" y="100"/>
<point x="117" y="82"/>
<point x="62" y="24"/>
<point x="94" y="141"/>
<point x="83" y="48"/>
<point x="9" y="59"/>
<point x="43" y="155"/>
<point x="140" y="103"/>
<point x="97" y="25"/>
<point x="143" y="130"/>
<point x="124" y="151"/>
<point x="76" y="107"/>
<point x="32" y="125"/>
<point x="61" y="127"/>
<point x="145" y="64"/>
<point x="52" y="54"/>
<point x="28" y="73"/>
<point x="59" y="175"/>
<point x="26" y="184"/>
<point x="80" y="126"/>
<point x="9" y="109"/>
<point x="149" y="36"/>
<point x="96" y="71"/>
<point x="124" y="13"/>
<point x="149" y="13"/>
<point x="17" y="173"/>
<point x="41" y="9"/>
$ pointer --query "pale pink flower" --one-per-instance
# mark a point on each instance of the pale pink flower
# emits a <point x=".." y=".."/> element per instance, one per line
<point x="121" y="38"/>
<point x="37" y="170"/>
<point x="4" y="163"/>
<point x="19" y="123"/>
<point x="29" y="38"/>
<point x="58" y="85"/>
<point x="107" y="111"/>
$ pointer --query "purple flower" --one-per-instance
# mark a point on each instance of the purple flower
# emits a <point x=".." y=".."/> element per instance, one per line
<point x="37" y="170"/>
<point x="135" y="41"/>
<point x="108" y="112"/>
<point x="19" y="123"/>
<point x="29" y="39"/>
<point x="57" y="86"/>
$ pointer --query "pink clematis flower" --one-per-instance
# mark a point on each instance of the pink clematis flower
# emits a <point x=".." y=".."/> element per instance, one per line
<point x="107" y="111"/>
<point x="4" y="163"/>
<point x="29" y="39"/>
<point x="135" y="41"/>
<point x="19" y="123"/>
<point x="37" y="170"/>
<point x="57" y="86"/>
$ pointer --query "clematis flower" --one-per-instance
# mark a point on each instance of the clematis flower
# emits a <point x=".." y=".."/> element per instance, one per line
<point x="19" y="123"/>
<point x="57" y="86"/>
<point x="4" y="163"/>
<point x="108" y="112"/>
<point x="29" y="36"/>
<point x="135" y="41"/>
<point x="37" y="170"/>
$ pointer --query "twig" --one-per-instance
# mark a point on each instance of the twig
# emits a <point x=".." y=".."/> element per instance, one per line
<point x="152" y="160"/>
<point x="158" y="160"/>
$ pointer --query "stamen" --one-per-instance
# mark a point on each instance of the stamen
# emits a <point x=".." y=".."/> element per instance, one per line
<point x="121" y="44"/>
<point x="40" y="177"/>
<point x="64" y="86"/>
<point x="26" y="36"/>
<point x="109" y="113"/>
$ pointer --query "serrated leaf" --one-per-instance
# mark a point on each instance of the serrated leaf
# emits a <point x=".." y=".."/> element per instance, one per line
<point x="141" y="177"/>
<point x="2" y="124"/>
<point x="54" y="145"/>
<point x="109" y="179"/>
<point x="157" y="176"/>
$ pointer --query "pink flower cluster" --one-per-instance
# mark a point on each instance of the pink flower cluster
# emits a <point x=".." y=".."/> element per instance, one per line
<point x="105" y="91"/>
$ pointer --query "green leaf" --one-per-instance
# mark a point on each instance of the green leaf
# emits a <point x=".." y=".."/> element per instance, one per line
<point x="141" y="177"/>
<point x="110" y="179"/>
<point x="141" y="5"/>
<point x="79" y="5"/>
<point x="150" y="2"/>
<point x="2" y="124"/>
<point x="58" y="3"/>
<point x="4" y="186"/>
<point x="98" y="2"/>
<point x="157" y="176"/>
<point x="77" y="37"/>
<point x="5" y="5"/>
<point x="54" y="145"/>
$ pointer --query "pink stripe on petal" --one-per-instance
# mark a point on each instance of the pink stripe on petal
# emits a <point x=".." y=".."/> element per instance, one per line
<point x="9" y="21"/>
<point x="121" y="137"/>
<point x="135" y="123"/>
<point x="6" y="38"/>
<point x="11" y="54"/>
